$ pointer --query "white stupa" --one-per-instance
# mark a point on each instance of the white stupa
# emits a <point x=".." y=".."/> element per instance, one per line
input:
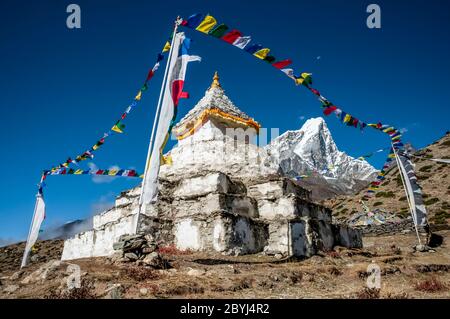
<point x="219" y="192"/>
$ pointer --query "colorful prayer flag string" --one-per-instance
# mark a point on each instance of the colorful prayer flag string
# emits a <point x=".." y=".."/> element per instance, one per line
<point x="119" y="126"/>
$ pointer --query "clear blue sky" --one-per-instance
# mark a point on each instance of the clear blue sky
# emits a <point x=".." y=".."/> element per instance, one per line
<point x="60" y="89"/>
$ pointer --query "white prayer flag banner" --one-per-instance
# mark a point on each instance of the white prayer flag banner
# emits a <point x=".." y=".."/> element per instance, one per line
<point x="38" y="218"/>
<point x="172" y="92"/>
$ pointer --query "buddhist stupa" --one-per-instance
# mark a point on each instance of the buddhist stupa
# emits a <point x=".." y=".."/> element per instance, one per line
<point x="219" y="193"/>
<point x="215" y="134"/>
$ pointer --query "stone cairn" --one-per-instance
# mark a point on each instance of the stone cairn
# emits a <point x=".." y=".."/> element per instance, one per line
<point x="141" y="249"/>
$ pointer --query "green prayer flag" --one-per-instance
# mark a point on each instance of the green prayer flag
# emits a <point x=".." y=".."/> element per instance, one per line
<point x="219" y="31"/>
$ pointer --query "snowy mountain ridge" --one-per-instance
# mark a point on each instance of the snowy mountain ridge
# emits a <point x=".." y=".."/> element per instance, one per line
<point x="312" y="151"/>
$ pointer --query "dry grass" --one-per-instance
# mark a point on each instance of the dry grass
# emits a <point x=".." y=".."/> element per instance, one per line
<point x="140" y="273"/>
<point x="172" y="250"/>
<point x="85" y="291"/>
<point x="430" y="285"/>
<point x="368" y="293"/>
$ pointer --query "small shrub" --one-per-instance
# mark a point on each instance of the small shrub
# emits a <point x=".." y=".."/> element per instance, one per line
<point x="389" y="194"/>
<point x="377" y="204"/>
<point x="369" y="293"/>
<point x="86" y="291"/>
<point x="141" y="273"/>
<point x="402" y="199"/>
<point x="335" y="271"/>
<point x="430" y="285"/>
<point x="431" y="201"/>
<point x="398" y="179"/>
<point x="426" y="168"/>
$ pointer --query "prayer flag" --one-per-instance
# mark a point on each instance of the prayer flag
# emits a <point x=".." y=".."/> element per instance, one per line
<point x="242" y="42"/>
<point x="261" y="54"/>
<point x="207" y="24"/>
<point x="138" y="96"/>
<point x="282" y="64"/>
<point x="118" y="127"/>
<point x="166" y="47"/>
<point x="253" y="48"/>
<point x="194" y="20"/>
<point x="231" y="36"/>
<point x="329" y="110"/>
<point x="219" y="30"/>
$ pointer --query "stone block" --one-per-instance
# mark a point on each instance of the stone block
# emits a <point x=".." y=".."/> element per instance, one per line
<point x="215" y="202"/>
<point x="202" y="185"/>
<point x="97" y="242"/>
<point x="222" y="232"/>
<point x="292" y="206"/>
<point x="347" y="236"/>
<point x="272" y="190"/>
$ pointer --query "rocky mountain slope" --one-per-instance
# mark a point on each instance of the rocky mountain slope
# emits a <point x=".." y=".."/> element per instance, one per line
<point x="433" y="177"/>
<point x="312" y="151"/>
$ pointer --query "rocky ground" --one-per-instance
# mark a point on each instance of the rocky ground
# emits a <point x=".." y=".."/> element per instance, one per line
<point x="341" y="273"/>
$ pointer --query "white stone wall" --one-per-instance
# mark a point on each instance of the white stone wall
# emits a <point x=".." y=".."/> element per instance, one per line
<point x="97" y="242"/>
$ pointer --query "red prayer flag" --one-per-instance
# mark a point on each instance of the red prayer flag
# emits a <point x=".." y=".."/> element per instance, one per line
<point x="282" y="64"/>
<point x="231" y="36"/>
<point x="149" y="76"/>
<point x="329" y="110"/>
<point x="315" y="91"/>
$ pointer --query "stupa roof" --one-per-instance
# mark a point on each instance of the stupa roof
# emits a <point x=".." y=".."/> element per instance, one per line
<point x="214" y="103"/>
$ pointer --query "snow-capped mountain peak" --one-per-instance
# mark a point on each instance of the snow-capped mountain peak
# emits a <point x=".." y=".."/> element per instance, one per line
<point x="312" y="151"/>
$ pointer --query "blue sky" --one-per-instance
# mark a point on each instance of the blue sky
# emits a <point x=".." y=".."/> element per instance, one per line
<point x="62" y="88"/>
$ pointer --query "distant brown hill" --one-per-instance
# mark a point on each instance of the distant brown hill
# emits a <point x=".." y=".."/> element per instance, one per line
<point x="433" y="177"/>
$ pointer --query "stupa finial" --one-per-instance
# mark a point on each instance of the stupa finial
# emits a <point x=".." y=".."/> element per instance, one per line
<point x="215" y="83"/>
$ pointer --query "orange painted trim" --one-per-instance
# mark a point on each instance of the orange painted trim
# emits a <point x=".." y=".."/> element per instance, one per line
<point x="202" y="119"/>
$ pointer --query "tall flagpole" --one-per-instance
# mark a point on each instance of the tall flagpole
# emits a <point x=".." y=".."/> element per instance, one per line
<point x="158" y="108"/>
<point x="410" y="203"/>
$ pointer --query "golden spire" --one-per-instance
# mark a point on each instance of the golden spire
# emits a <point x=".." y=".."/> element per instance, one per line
<point x="215" y="83"/>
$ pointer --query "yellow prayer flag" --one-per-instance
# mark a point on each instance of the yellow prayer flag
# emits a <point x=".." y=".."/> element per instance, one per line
<point x="78" y="172"/>
<point x="138" y="96"/>
<point x="299" y="81"/>
<point x="112" y="172"/>
<point x="261" y="54"/>
<point x="207" y="24"/>
<point x="166" y="47"/>
<point x="347" y="118"/>
<point x="117" y="129"/>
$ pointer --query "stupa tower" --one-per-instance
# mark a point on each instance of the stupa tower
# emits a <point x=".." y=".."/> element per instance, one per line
<point x="215" y="135"/>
